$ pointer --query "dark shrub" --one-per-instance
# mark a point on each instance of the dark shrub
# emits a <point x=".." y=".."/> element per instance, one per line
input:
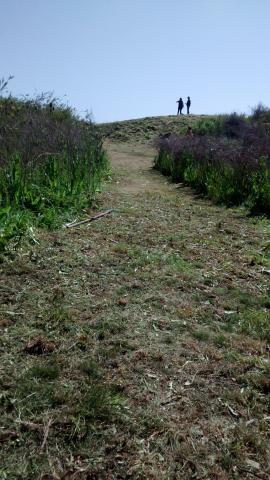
<point x="261" y="113"/>
<point x="230" y="169"/>
<point x="235" y="126"/>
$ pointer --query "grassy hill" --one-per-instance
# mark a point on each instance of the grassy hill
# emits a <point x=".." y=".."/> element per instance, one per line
<point x="148" y="128"/>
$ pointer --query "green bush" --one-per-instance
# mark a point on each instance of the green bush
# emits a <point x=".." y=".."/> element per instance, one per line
<point x="259" y="198"/>
<point x="210" y="126"/>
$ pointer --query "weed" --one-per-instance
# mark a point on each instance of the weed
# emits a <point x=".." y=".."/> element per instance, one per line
<point x="99" y="402"/>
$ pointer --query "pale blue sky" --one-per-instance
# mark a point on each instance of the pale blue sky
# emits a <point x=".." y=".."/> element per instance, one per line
<point x="126" y="59"/>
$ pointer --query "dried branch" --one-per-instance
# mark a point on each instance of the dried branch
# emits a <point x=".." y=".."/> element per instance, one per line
<point x="46" y="433"/>
<point x="88" y="220"/>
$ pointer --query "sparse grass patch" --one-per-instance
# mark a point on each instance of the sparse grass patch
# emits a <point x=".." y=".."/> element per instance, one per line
<point x="256" y="323"/>
<point x="244" y="442"/>
<point x="177" y="263"/>
<point x="108" y="327"/>
<point x="201" y="335"/>
<point x="221" y="341"/>
<point x="232" y="322"/>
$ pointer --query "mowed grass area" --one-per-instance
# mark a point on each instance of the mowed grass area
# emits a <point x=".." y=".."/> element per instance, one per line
<point x="137" y="346"/>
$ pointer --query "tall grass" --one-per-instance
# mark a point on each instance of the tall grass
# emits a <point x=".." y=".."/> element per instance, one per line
<point x="228" y="161"/>
<point x="50" y="162"/>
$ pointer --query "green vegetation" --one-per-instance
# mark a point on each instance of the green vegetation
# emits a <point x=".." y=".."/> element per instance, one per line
<point x="51" y="165"/>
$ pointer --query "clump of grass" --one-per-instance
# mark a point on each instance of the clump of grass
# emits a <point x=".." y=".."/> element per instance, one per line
<point x="255" y="323"/>
<point x="258" y="379"/>
<point x="232" y="322"/>
<point x="90" y="368"/>
<point x="45" y="371"/>
<point x="99" y="402"/>
<point x="39" y="391"/>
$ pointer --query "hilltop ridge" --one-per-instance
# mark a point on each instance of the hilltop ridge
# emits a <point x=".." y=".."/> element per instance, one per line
<point x="148" y="128"/>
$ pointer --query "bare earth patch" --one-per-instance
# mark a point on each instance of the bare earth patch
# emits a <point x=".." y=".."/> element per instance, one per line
<point x="137" y="346"/>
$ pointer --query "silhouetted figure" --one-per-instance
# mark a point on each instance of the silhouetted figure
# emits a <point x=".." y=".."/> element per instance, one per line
<point x="188" y="104"/>
<point x="189" y="132"/>
<point x="180" y="106"/>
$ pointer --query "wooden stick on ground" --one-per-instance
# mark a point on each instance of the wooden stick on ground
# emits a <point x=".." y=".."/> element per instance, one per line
<point x="46" y="433"/>
<point x="88" y="220"/>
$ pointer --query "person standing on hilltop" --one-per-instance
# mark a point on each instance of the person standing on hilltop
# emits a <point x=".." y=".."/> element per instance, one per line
<point x="180" y="106"/>
<point x="188" y="104"/>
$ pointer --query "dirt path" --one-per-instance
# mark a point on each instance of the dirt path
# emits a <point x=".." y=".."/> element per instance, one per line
<point x="132" y="165"/>
<point x="156" y="320"/>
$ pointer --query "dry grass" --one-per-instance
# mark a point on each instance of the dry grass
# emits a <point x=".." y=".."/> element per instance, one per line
<point x="137" y="346"/>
